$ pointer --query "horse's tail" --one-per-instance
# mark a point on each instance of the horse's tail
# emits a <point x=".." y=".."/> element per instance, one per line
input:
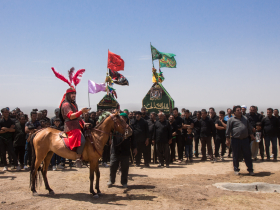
<point x="33" y="161"/>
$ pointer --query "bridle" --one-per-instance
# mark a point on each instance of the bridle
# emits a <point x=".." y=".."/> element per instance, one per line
<point x="114" y="118"/>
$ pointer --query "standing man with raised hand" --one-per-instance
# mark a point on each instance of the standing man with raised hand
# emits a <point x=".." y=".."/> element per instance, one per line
<point x="270" y="125"/>
<point x="239" y="128"/>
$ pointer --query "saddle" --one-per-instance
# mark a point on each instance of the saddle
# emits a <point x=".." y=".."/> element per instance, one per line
<point x="65" y="140"/>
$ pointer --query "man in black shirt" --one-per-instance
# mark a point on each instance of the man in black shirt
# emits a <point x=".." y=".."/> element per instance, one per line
<point x="30" y="127"/>
<point x="144" y="114"/>
<point x="276" y="114"/>
<point x="206" y="133"/>
<point x="213" y="117"/>
<point x="120" y="152"/>
<point x="253" y="119"/>
<point x="7" y="128"/>
<point x="243" y="109"/>
<point x="151" y="123"/>
<point x="88" y="120"/>
<point x="44" y="115"/>
<point x="187" y="123"/>
<point x="179" y="138"/>
<point x="270" y="125"/>
<point x="141" y="136"/>
<point x="20" y="139"/>
<point x="56" y="112"/>
<point x="196" y="132"/>
<point x="163" y="137"/>
<point x="221" y="126"/>
<point x="174" y="129"/>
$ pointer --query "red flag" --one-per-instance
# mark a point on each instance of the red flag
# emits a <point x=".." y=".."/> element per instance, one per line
<point x="115" y="62"/>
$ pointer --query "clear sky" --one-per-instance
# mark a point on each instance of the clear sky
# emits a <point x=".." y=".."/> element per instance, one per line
<point x="227" y="52"/>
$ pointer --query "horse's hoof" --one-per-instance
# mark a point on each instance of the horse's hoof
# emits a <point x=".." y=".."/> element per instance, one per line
<point x="35" y="194"/>
<point x="51" y="192"/>
<point x="96" y="196"/>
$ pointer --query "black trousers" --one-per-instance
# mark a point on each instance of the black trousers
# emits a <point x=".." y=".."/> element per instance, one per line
<point x="19" y="152"/>
<point x="261" y="147"/>
<point x="206" y="141"/>
<point x="220" y="142"/>
<point x="196" y="142"/>
<point x="7" y="146"/>
<point x="106" y="153"/>
<point x="243" y="145"/>
<point x="180" y="146"/>
<point x="163" y="153"/>
<point x="115" y="161"/>
<point x="142" y="149"/>
<point x="278" y="136"/>
<point x="149" y="153"/>
<point x="155" y="153"/>
<point x="172" y="149"/>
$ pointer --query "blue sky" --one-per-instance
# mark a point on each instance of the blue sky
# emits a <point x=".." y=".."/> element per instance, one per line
<point x="227" y="52"/>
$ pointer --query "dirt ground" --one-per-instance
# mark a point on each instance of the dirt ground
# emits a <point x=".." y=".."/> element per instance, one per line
<point x="182" y="186"/>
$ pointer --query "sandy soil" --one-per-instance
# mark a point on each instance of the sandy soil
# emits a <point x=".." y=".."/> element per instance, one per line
<point x="182" y="186"/>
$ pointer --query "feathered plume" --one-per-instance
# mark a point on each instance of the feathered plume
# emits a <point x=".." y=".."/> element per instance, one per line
<point x="70" y="73"/>
<point x="78" y="74"/>
<point x="61" y="77"/>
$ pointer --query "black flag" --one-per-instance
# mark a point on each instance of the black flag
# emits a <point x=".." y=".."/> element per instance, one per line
<point x="118" y="78"/>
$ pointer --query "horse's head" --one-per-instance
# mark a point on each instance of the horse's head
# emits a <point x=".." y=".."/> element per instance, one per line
<point x="121" y="126"/>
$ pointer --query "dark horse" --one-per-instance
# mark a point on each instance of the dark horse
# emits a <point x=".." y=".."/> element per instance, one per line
<point x="47" y="141"/>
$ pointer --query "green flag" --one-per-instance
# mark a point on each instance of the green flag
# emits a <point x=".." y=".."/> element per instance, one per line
<point x="167" y="60"/>
<point x="155" y="53"/>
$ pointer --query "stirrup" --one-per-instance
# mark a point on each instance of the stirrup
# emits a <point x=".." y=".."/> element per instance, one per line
<point x="78" y="163"/>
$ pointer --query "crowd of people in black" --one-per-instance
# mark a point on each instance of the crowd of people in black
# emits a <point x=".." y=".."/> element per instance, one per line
<point x="157" y="137"/>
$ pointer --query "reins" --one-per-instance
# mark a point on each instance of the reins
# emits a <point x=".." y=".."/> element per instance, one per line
<point x="111" y="133"/>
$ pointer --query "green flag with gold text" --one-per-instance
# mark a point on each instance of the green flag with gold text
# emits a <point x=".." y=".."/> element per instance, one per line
<point x="167" y="60"/>
<point x="155" y="53"/>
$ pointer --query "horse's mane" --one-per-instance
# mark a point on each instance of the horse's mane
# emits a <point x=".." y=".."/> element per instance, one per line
<point x="102" y="118"/>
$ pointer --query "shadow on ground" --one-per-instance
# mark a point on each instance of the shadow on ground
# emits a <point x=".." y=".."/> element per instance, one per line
<point x="103" y="199"/>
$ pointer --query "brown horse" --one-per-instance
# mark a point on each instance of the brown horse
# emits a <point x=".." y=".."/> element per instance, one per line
<point x="46" y="142"/>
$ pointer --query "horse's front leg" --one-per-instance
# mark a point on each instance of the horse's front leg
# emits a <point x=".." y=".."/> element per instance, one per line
<point x="91" y="178"/>
<point x="97" y="179"/>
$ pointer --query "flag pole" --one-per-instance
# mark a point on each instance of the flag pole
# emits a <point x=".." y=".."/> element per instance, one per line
<point x="88" y="100"/>
<point x="152" y="54"/>
<point x="107" y="63"/>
